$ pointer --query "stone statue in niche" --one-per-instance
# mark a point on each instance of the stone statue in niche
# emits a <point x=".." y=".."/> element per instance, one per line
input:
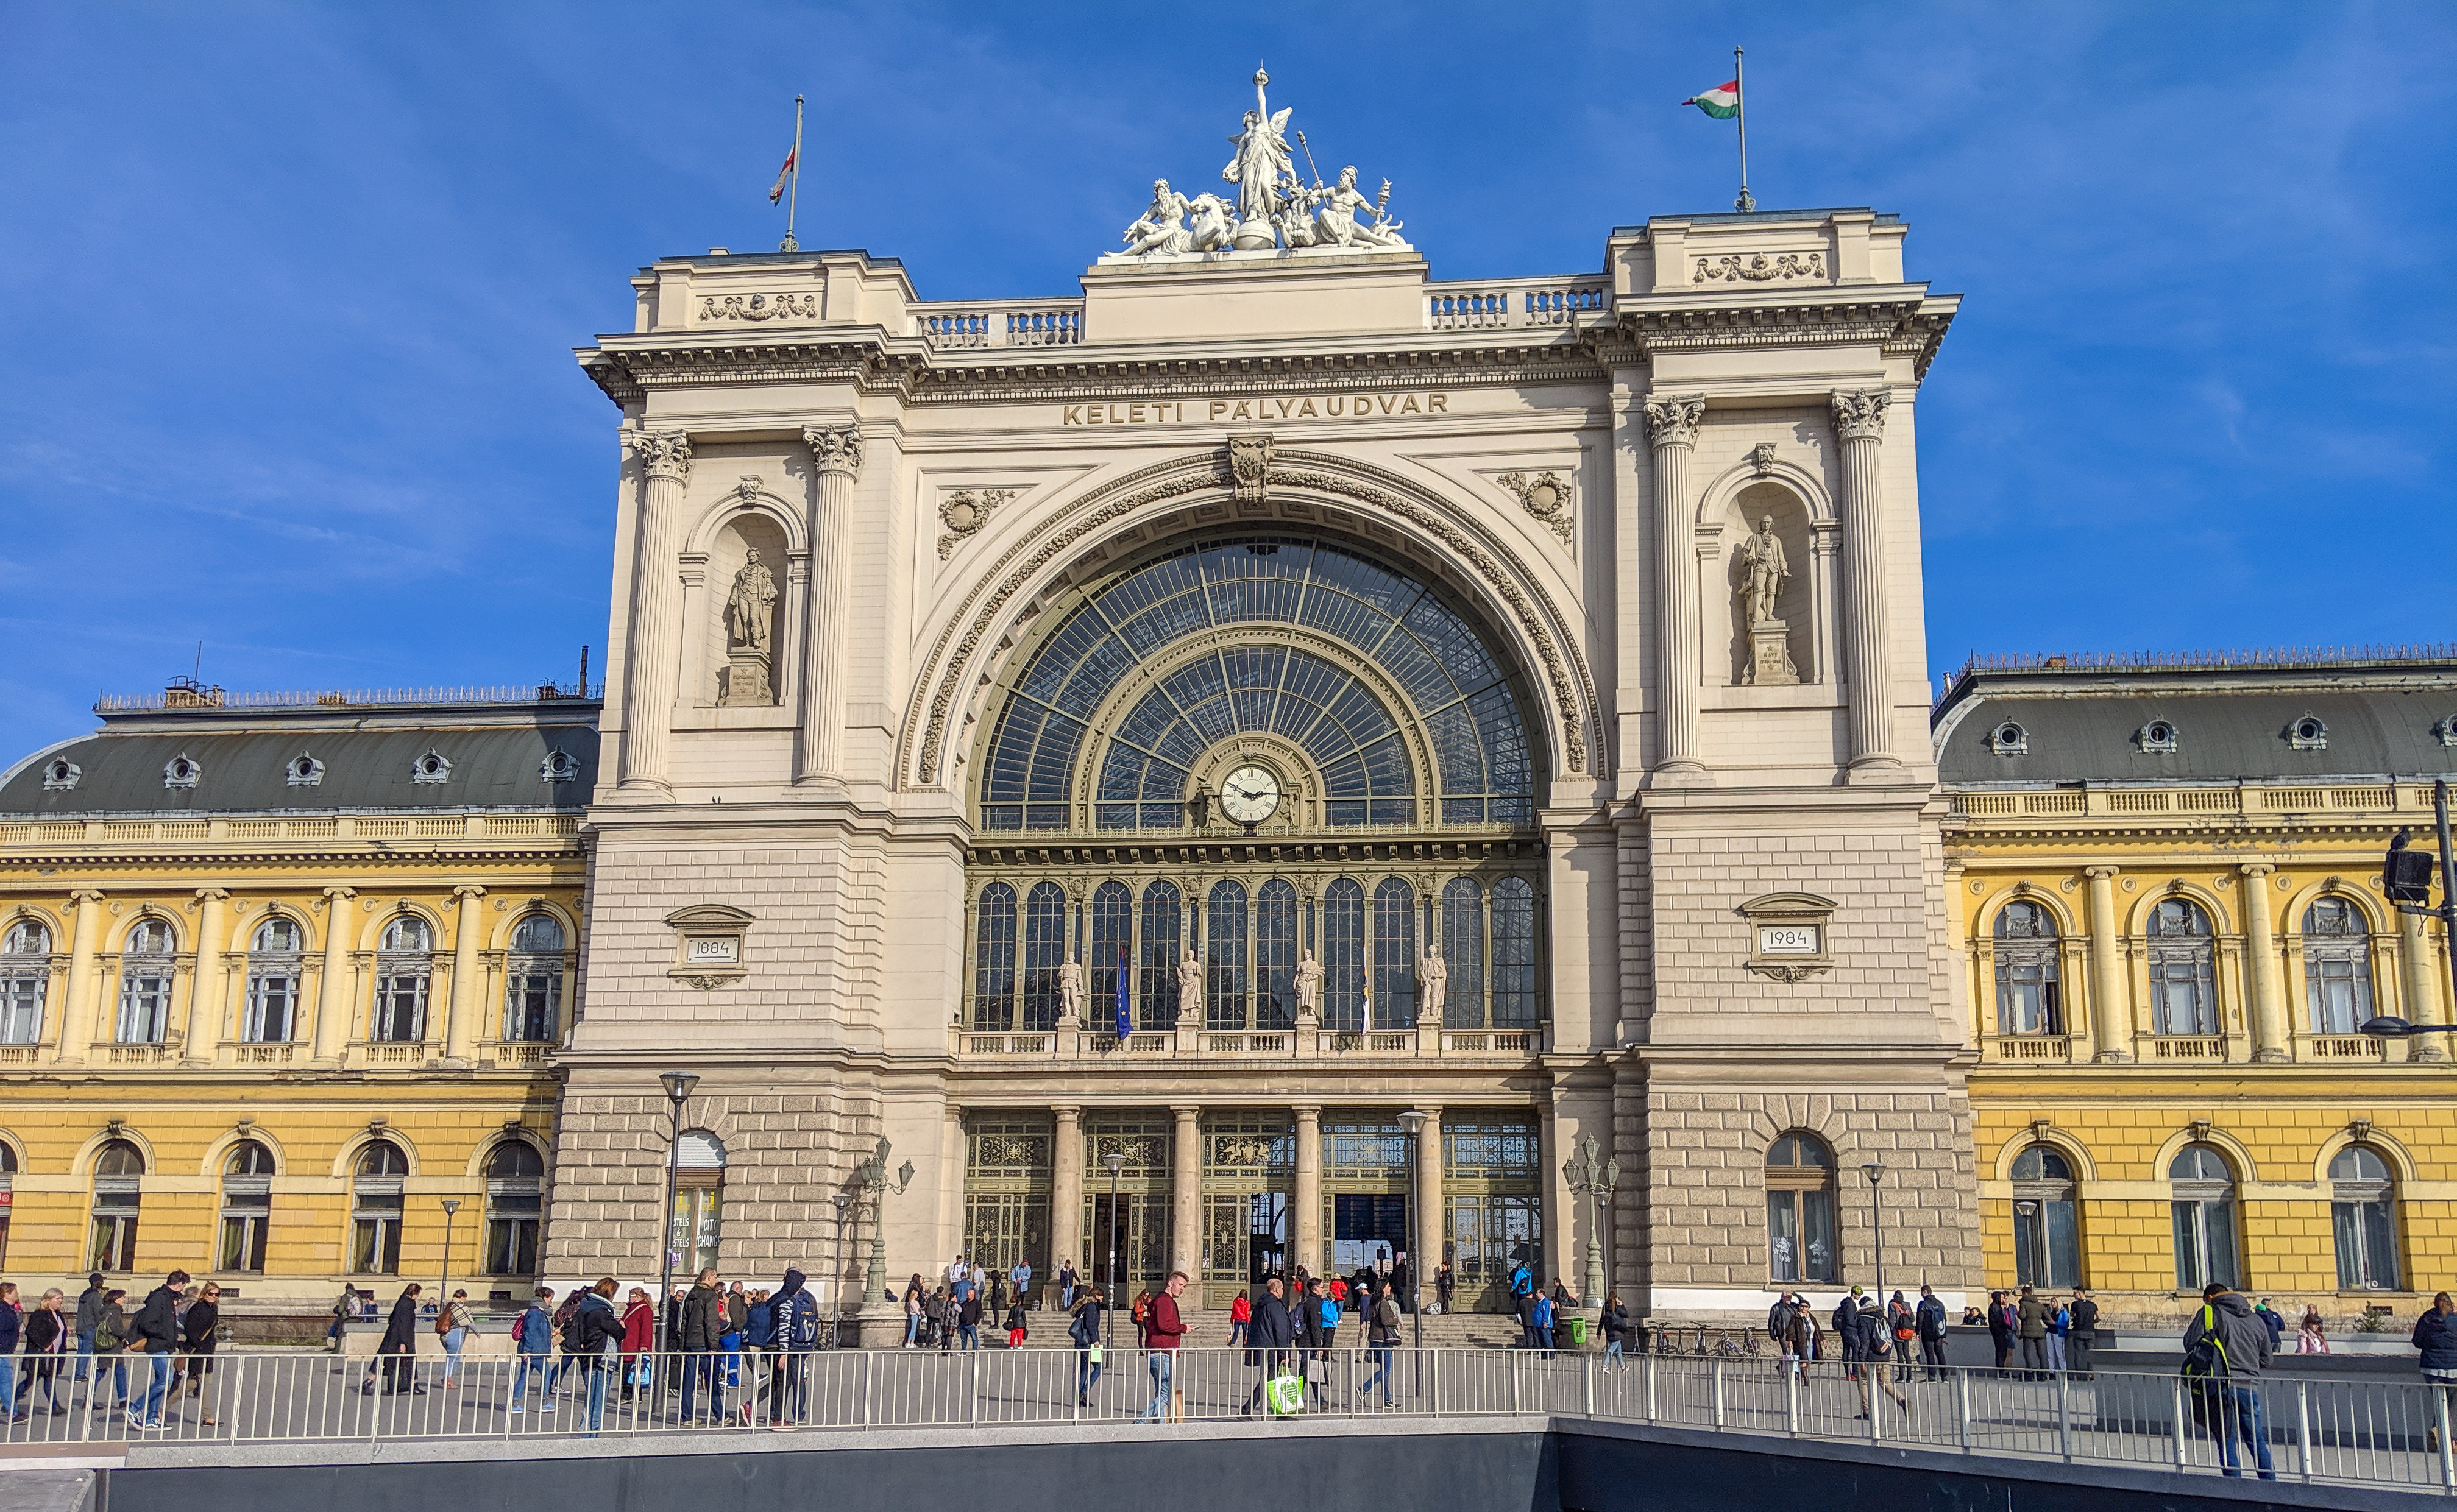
<point x="1190" y="988"/>
<point x="750" y="634"/>
<point x="1433" y="986"/>
<point x="1309" y="990"/>
<point x="1762" y="571"/>
<point x="1070" y="994"/>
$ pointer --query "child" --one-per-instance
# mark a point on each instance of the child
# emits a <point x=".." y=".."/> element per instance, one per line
<point x="1241" y="1312"/>
<point x="2312" y="1339"/>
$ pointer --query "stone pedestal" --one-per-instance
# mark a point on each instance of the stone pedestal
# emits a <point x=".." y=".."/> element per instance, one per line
<point x="746" y="680"/>
<point x="1771" y="656"/>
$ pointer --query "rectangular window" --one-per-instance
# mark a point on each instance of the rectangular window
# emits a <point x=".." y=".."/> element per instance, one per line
<point x="242" y="1246"/>
<point x="2366" y="1243"/>
<point x="698" y="1219"/>
<point x="1800" y="1235"/>
<point x="272" y="1003"/>
<point x="114" y="1241"/>
<point x="21" y="1007"/>
<point x="512" y="1235"/>
<point x="532" y="1002"/>
<point x="2180" y="993"/>
<point x="2204" y="1244"/>
<point x="374" y="1243"/>
<point x="144" y="1004"/>
<point x="401" y="1007"/>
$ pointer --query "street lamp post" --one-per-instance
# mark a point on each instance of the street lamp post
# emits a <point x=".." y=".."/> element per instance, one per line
<point x="1875" y="1171"/>
<point x="444" y="1280"/>
<point x="836" y="1283"/>
<point x="678" y="1084"/>
<point x="1595" y="1181"/>
<point x="871" y="1177"/>
<point x="1414" y="1121"/>
<point x="1116" y="1161"/>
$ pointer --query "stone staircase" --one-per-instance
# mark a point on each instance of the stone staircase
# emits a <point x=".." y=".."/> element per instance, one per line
<point x="1209" y="1329"/>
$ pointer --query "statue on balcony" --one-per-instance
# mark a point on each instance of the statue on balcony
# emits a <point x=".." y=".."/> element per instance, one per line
<point x="1070" y="992"/>
<point x="1190" y="988"/>
<point x="1340" y="204"/>
<point x="1309" y="990"/>
<point x="1433" y="986"/>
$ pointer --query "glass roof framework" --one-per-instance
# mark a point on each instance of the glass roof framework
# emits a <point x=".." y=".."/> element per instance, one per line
<point x="1456" y="686"/>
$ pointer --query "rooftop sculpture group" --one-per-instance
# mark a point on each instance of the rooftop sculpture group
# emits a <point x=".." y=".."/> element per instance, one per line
<point x="1274" y="208"/>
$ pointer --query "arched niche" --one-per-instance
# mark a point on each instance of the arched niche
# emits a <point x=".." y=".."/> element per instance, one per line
<point x="731" y="671"/>
<point x="1801" y="604"/>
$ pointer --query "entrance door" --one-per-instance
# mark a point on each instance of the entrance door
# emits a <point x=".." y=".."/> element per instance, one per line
<point x="1368" y="1231"/>
<point x="1141" y="1237"/>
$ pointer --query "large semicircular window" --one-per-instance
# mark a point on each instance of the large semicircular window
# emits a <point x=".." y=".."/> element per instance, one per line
<point x="1454" y="684"/>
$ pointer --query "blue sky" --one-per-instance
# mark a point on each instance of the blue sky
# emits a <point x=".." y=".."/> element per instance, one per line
<point x="292" y="290"/>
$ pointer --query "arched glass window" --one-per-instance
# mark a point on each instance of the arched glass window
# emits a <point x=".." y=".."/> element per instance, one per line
<point x="1224" y="950"/>
<point x="2337" y="965"/>
<point x="515" y="1201"/>
<point x="247" y="1207"/>
<point x="145" y="984"/>
<point x="1514" y="955"/>
<point x="1342" y="955"/>
<point x="1113" y="934"/>
<point x="1395" y="955"/>
<point x="700" y="1193"/>
<point x="404" y="963"/>
<point x="2363" y="1211"/>
<point x="25" y="980"/>
<point x="2026" y="972"/>
<point x="1164" y="918"/>
<point x="1463" y="955"/>
<point x="2203" y="1211"/>
<point x="994" y="958"/>
<point x="2181" y="998"/>
<point x="1800" y="1210"/>
<point x="1275" y="956"/>
<point x="1044" y="955"/>
<point x="2047" y="1221"/>
<point x="275" y="961"/>
<point x="119" y="1183"/>
<point x="534" y="981"/>
<point x="376" y="1208"/>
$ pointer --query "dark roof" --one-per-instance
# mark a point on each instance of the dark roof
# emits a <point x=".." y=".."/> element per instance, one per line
<point x="243" y="759"/>
<point x="2227" y="728"/>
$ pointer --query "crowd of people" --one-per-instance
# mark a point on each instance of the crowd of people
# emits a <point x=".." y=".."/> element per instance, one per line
<point x="169" y="1340"/>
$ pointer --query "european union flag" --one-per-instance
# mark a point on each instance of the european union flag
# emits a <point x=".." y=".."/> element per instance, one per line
<point x="1125" y="1020"/>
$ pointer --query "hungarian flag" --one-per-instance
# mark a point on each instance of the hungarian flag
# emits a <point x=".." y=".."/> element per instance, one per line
<point x="1722" y="102"/>
<point x="778" y="191"/>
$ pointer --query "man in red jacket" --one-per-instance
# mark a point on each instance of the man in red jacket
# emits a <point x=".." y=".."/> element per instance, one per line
<point x="1162" y="1329"/>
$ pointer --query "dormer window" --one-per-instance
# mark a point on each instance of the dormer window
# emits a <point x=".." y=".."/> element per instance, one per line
<point x="2010" y="739"/>
<point x="558" y="767"/>
<point x="431" y="767"/>
<point x="2308" y="733"/>
<point x="2158" y="738"/>
<point x="61" y="775"/>
<point x="2445" y="729"/>
<point x="180" y="772"/>
<point x="303" y="771"/>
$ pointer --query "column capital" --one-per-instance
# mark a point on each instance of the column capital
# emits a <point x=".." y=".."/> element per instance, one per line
<point x="85" y="894"/>
<point x="340" y="895"/>
<point x="213" y="894"/>
<point x="1185" y="1110"/>
<point x="1307" y="1112"/>
<point x="834" y="448"/>
<point x="1672" y="419"/>
<point x="1860" y="414"/>
<point x="468" y="891"/>
<point x="2100" y="873"/>
<point x="2256" y="870"/>
<point x="1067" y="1109"/>
<point x="662" y="454"/>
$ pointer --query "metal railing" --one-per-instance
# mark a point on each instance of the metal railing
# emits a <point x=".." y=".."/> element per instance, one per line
<point x="2373" y="1432"/>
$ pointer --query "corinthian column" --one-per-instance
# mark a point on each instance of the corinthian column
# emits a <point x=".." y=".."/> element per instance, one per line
<point x="2268" y="998"/>
<point x="2111" y="1020"/>
<point x="656" y="609"/>
<point x="1672" y="428"/>
<point x="461" y="1019"/>
<point x="333" y="987"/>
<point x="1860" y="424"/>
<point x="76" y="1013"/>
<point x="205" y="1003"/>
<point x="837" y="453"/>
<point x="1186" y="1196"/>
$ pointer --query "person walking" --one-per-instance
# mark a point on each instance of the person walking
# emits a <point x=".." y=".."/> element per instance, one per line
<point x="12" y="1328"/>
<point x="1927" y="1320"/>
<point x="197" y="1328"/>
<point x="1241" y="1312"/>
<point x="47" y="1335"/>
<point x="1016" y="1330"/>
<point x="532" y="1344"/>
<point x="455" y="1324"/>
<point x="700" y="1338"/>
<point x="1616" y="1326"/>
<point x="1067" y="1284"/>
<point x="594" y="1338"/>
<point x="89" y="1316"/>
<point x="110" y="1345"/>
<point x="2032" y="1327"/>
<point x="2003" y="1328"/>
<point x="156" y="1333"/>
<point x="968" y="1319"/>
<point x="793" y="1331"/>
<point x="1522" y="1301"/>
<point x="1083" y="1331"/>
<point x="2226" y="1348"/>
<point x="344" y="1306"/>
<point x="1020" y="1281"/>
<point x="639" y="1338"/>
<point x="1305" y="1316"/>
<point x="2435" y="1337"/>
<point x="1267" y="1339"/>
<point x="1163" y="1328"/>
<point x="1381" y="1336"/>
<point x="2083" y="1334"/>
<point x="397" y="1352"/>
<point x="2275" y="1321"/>
<point x="1539" y="1327"/>
<point x="1444" y="1284"/>
<point x="1800" y="1343"/>
<point x="1874" y="1349"/>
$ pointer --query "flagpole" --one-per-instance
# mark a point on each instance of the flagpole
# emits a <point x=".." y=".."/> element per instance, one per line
<point x="1739" y="101"/>
<point x="793" y="186"/>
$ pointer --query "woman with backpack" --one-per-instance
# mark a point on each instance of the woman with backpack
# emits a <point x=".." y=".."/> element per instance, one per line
<point x="1381" y="1336"/>
<point x="1083" y="1331"/>
<point x="455" y="1323"/>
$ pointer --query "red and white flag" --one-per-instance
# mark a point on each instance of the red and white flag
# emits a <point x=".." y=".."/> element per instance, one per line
<point x="776" y="192"/>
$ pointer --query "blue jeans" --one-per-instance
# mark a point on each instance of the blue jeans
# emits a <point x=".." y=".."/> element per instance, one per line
<point x="8" y="1383"/>
<point x="452" y="1343"/>
<point x="85" y="1350"/>
<point x="968" y="1336"/>
<point x="1382" y="1358"/>
<point x="537" y="1365"/>
<point x="1612" y="1349"/>
<point x="159" y="1382"/>
<point x="1236" y="1333"/>
<point x="1087" y="1371"/>
<point x="2239" y="1412"/>
<point x="597" y="1378"/>
<point x="1162" y="1366"/>
<point x="912" y="1328"/>
<point x="704" y="1371"/>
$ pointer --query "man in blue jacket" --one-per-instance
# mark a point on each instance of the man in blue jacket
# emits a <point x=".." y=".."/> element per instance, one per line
<point x="793" y="1332"/>
<point x="532" y="1341"/>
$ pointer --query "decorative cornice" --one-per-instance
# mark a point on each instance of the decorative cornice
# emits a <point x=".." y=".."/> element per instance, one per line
<point x="1672" y="419"/>
<point x="662" y="454"/>
<point x="1860" y="415"/>
<point x="834" y="449"/>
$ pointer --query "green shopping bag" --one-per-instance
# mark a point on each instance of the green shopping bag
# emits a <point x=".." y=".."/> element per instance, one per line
<point x="1285" y="1395"/>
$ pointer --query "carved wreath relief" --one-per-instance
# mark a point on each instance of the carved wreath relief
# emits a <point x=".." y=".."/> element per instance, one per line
<point x="1545" y="496"/>
<point x="965" y="511"/>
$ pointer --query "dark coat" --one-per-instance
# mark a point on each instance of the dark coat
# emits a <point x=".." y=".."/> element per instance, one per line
<point x="1272" y="1327"/>
<point x="10" y="1327"/>
<point x="198" y="1328"/>
<point x="1929" y="1317"/>
<point x="401" y="1328"/>
<point x="598" y="1325"/>
<point x="2238" y="1332"/>
<point x="703" y="1320"/>
<point x="1305" y="1314"/>
<point x="46" y="1332"/>
<point x="2435" y="1334"/>
<point x="2085" y="1316"/>
<point x="158" y="1321"/>
<point x="89" y="1309"/>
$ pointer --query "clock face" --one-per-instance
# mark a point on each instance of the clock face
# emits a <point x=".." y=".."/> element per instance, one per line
<point x="1249" y="795"/>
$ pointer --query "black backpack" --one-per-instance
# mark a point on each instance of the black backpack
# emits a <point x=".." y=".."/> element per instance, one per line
<point x="576" y="1332"/>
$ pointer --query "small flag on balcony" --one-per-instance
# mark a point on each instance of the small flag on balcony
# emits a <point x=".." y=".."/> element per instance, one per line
<point x="1722" y="102"/>
<point x="1125" y="1020"/>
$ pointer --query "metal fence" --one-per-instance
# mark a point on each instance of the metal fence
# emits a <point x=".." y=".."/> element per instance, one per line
<point x="2375" y="1433"/>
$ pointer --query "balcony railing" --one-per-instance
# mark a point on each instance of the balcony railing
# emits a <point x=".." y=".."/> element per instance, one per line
<point x="1044" y="322"/>
<point x="1514" y="303"/>
<point x="2027" y="1050"/>
<point x="2188" y="1047"/>
<point x="1286" y="1044"/>
<point x="2232" y="799"/>
<point x="244" y="832"/>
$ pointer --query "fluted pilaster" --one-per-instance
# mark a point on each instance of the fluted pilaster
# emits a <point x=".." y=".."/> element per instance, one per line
<point x="656" y="609"/>
<point x="837" y="451"/>
<point x="2111" y="1019"/>
<point x="1859" y="425"/>
<point x="2261" y="942"/>
<point x="76" y="1013"/>
<point x="333" y="989"/>
<point x="1672" y="429"/>
<point x="205" y="1001"/>
<point x="468" y="1000"/>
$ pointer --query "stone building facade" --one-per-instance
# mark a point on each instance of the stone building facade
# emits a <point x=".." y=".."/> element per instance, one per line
<point x="1263" y="645"/>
